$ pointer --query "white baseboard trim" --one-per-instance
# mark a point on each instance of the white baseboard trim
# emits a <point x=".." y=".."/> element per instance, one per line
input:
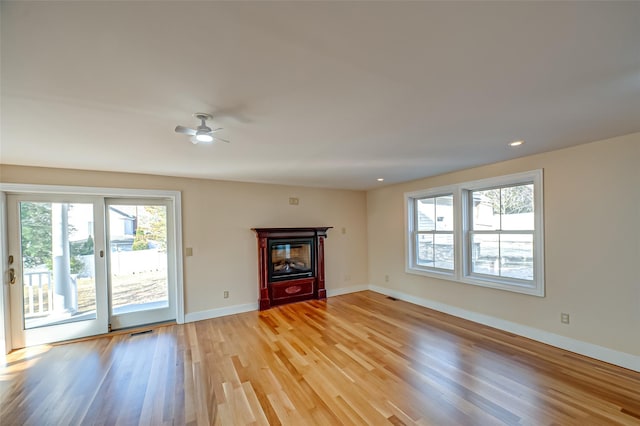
<point x="346" y="290"/>
<point x="220" y="312"/>
<point x="622" y="359"/>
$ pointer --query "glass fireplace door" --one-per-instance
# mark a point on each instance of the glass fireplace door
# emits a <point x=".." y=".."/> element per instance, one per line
<point x="290" y="259"/>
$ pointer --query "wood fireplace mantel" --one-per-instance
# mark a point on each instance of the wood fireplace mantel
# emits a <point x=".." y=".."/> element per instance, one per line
<point x="295" y="289"/>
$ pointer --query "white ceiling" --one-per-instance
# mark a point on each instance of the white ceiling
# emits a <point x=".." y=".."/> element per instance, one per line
<point x="328" y="94"/>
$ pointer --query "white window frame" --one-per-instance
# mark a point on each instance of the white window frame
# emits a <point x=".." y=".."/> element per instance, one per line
<point x="462" y="229"/>
<point x="413" y="232"/>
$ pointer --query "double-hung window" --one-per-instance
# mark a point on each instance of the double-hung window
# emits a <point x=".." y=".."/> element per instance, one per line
<point x="487" y="232"/>
<point x="501" y="232"/>
<point x="433" y="233"/>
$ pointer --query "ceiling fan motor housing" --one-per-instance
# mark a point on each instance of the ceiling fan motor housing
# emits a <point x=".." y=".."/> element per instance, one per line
<point x="202" y="133"/>
<point x="203" y="116"/>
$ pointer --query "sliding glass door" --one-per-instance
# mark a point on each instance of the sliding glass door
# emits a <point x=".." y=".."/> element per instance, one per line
<point x="140" y="246"/>
<point x="84" y="265"/>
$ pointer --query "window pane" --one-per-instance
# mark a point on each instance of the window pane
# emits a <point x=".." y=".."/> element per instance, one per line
<point x="485" y="254"/>
<point x="444" y="213"/>
<point x="486" y="210"/>
<point x="426" y="214"/>
<point x="503" y="255"/>
<point x="57" y="263"/>
<point x="443" y="251"/>
<point x="516" y="256"/>
<point x="425" y="250"/>
<point x="517" y="208"/>
<point x="138" y="260"/>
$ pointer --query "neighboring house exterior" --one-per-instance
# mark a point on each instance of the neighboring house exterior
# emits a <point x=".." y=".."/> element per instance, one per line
<point x="122" y="229"/>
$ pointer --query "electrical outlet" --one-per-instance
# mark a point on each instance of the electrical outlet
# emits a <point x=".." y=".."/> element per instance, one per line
<point x="386" y="278"/>
<point x="294" y="201"/>
<point x="564" y="318"/>
<point x="188" y="251"/>
<point x="226" y="294"/>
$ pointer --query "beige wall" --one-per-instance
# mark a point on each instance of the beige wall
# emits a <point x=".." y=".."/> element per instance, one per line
<point x="217" y="220"/>
<point x="592" y="245"/>
<point x="592" y="236"/>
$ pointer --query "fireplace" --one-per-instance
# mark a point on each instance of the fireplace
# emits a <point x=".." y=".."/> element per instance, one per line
<point x="290" y="264"/>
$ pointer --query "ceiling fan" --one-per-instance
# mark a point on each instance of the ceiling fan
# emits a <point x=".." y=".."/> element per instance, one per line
<point x="202" y="133"/>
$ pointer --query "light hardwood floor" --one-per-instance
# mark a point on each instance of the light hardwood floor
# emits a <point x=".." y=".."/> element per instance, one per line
<point x="360" y="358"/>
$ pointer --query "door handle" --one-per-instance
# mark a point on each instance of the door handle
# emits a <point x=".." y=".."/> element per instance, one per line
<point x="12" y="276"/>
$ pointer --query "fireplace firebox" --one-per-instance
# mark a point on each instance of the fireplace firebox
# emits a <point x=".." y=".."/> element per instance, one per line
<point x="290" y="258"/>
<point x="290" y="264"/>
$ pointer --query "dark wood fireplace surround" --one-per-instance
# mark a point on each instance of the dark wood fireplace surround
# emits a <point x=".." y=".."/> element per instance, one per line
<point x="296" y="289"/>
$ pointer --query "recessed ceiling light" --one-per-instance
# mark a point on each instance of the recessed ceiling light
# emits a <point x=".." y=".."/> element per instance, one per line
<point x="515" y="143"/>
<point x="380" y="179"/>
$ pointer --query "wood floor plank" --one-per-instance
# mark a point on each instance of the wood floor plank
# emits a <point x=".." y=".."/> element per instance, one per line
<point x="356" y="359"/>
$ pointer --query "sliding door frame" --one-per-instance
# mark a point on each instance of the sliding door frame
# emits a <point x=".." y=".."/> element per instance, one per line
<point x="6" y="342"/>
<point x="175" y="205"/>
<point x="138" y="316"/>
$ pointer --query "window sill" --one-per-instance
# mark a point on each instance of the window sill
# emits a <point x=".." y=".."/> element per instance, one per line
<point x="531" y="290"/>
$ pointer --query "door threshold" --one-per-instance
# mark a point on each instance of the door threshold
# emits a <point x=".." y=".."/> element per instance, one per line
<point x="140" y="329"/>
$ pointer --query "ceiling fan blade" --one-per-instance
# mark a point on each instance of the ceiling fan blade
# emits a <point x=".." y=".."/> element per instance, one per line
<point x="216" y="130"/>
<point x="220" y="139"/>
<point x="185" y="130"/>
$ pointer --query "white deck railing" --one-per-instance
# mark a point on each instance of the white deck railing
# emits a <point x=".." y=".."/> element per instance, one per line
<point x="34" y="291"/>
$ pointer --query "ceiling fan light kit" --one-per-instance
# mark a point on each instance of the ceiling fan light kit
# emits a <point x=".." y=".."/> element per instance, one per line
<point x="202" y="133"/>
<point x="203" y="137"/>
